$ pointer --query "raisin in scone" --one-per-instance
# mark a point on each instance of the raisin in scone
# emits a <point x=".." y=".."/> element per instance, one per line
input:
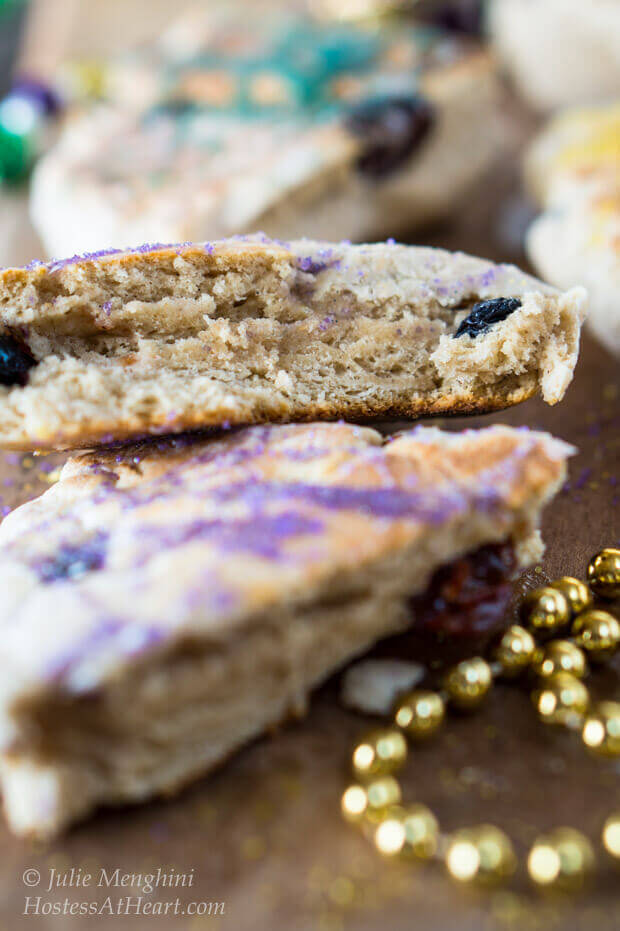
<point x="240" y="331"/>
<point x="165" y="602"/>
<point x="559" y="52"/>
<point x="573" y="168"/>
<point x="295" y="127"/>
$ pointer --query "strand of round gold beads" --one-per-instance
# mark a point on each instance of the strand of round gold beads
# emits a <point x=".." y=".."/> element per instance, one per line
<point x="562" y="858"/>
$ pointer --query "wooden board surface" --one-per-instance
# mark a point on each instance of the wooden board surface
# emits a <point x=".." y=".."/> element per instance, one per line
<point x="263" y="835"/>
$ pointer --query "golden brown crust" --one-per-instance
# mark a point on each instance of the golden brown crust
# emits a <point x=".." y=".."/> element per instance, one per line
<point x="355" y="413"/>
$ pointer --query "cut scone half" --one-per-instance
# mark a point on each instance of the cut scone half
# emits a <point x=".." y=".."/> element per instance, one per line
<point x="168" y="338"/>
<point x="165" y="602"/>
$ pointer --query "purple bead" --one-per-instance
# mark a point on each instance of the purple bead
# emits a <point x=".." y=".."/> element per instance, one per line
<point x="42" y="95"/>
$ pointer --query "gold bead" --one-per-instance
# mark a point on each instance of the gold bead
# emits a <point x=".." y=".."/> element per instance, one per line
<point x="546" y="610"/>
<point x="611" y="835"/>
<point x="421" y="832"/>
<point x="560" y="656"/>
<point x="381" y="753"/>
<point x="481" y="854"/>
<point x="382" y="794"/>
<point x="562" y="859"/>
<point x="575" y="591"/>
<point x="597" y="632"/>
<point x="561" y="699"/>
<point x="408" y="832"/>
<point x="420" y="714"/>
<point x="389" y="836"/>
<point x="515" y="651"/>
<point x="468" y="682"/>
<point x="601" y="729"/>
<point x="354" y="803"/>
<point x="604" y="573"/>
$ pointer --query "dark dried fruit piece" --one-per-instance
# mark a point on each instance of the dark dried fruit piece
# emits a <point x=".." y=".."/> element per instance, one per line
<point x="485" y="313"/>
<point x="469" y="596"/>
<point x="391" y="129"/>
<point x="15" y="361"/>
<point x="72" y="561"/>
<point x="464" y="16"/>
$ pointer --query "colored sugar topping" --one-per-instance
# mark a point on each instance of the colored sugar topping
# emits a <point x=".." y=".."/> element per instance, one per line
<point x="295" y="68"/>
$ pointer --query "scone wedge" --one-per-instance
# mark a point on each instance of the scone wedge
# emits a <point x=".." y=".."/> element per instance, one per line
<point x="169" y="338"/>
<point x="240" y="121"/>
<point x="165" y="602"/>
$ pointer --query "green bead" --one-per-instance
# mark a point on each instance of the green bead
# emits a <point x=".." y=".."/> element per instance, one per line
<point x="15" y="156"/>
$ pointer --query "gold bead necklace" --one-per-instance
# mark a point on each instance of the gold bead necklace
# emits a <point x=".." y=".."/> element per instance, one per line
<point x="562" y="858"/>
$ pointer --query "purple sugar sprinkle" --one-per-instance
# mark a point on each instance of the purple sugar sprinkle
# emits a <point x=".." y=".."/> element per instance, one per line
<point x="583" y="478"/>
<point x="96" y="468"/>
<point x="58" y="264"/>
<point x="260" y="535"/>
<point x="209" y="248"/>
<point x="310" y="265"/>
<point x="107" y="307"/>
<point x="487" y="278"/>
<point x="326" y="323"/>
<point x="375" y="502"/>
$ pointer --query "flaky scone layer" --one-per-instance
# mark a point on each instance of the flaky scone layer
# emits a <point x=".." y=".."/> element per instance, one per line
<point x="166" y="601"/>
<point x="168" y="338"/>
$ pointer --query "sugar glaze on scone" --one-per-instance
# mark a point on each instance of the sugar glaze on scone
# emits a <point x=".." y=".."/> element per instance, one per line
<point x="246" y="330"/>
<point x="165" y="602"/>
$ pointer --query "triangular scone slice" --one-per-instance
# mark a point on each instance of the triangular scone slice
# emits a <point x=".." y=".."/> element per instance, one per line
<point x="165" y="602"/>
<point x="242" y="331"/>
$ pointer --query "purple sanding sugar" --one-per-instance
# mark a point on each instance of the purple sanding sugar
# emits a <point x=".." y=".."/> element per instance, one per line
<point x="261" y="534"/>
<point x="96" y="468"/>
<point x="326" y="323"/>
<point x="308" y="264"/>
<point x="107" y="308"/>
<point x="583" y="478"/>
<point x="58" y="264"/>
<point x="376" y="502"/>
<point x="46" y="467"/>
